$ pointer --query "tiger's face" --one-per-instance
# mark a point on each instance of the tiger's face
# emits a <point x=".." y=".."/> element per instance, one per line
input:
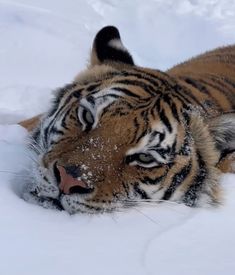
<point x="107" y="154"/>
<point x="117" y="136"/>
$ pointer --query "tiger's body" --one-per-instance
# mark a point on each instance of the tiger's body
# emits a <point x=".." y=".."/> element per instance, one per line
<point x="121" y="134"/>
<point x="210" y="78"/>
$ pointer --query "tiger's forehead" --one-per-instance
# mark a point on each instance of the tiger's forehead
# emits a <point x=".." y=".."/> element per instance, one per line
<point x="142" y="81"/>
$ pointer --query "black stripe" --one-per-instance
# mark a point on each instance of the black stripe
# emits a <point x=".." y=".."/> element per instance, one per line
<point x="60" y="94"/>
<point x="185" y="149"/>
<point x="156" y="133"/>
<point x="196" y="84"/>
<point x="165" y="120"/>
<point x="227" y="92"/>
<point x="122" y="110"/>
<point x="186" y="115"/>
<point x="108" y="96"/>
<point x="92" y="87"/>
<point x="167" y="99"/>
<point x="47" y="130"/>
<point x="191" y="196"/>
<point x="229" y="81"/>
<point x="126" y="92"/>
<point x="187" y="93"/>
<point x="138" y="138"/>
<point x="161" y="151"/>
<point x="137" y="126"/>
<point x="162" y="116"/>
<point x="216" y="84"/>
<point x="104" y="111"/>
<point x="126" y="189"/>
<point x="147" y="88"/>
<point x="143" y="195"/>
<point x="77" y="93"/>
<point x="158" y="105"/>
<point x="174" y="111"/>
<point x="149" y="181"/>
<point x="184" y="101"/>
<point x="36" y="133"/>
<point x="144" y="115"/>
<point x="167" y="82"/>
<point x="91" y="100"/>
<point x="45" y="135"/>
<point x="152" y="80"/>
<point x="56" y="131"/>
<point x="64" y="119"/>
<point x="177" y="180"/>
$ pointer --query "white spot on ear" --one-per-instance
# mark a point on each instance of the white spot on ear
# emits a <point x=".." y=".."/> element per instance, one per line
<point x="117" y="44"/>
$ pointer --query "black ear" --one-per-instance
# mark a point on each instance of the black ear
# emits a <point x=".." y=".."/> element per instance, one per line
<point x="108" y="47"/>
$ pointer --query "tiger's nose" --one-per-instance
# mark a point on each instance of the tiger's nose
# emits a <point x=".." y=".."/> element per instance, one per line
<point x="70" y="180"/>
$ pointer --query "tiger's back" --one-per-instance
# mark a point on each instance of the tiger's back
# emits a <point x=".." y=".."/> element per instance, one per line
<point x="210" y="78"/>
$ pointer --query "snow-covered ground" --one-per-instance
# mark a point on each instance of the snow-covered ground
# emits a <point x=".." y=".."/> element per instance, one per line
<point x="44" y="43"/>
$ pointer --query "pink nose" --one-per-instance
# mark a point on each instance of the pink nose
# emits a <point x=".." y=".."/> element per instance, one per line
<point x="70" y="184"/>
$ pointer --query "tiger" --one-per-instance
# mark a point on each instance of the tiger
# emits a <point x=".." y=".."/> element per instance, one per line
<point x="120" y="135"/>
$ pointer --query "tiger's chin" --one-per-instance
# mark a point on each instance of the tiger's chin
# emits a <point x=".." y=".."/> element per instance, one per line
<point x="74" y="204"/>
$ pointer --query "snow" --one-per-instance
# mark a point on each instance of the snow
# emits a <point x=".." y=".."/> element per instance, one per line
<point x="44" y="44"/>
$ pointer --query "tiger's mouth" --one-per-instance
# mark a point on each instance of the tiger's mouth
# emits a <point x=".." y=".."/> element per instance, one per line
<point x="76" y="204"/>
<point x="61" y="191"/>
<point x="72" y="203"/>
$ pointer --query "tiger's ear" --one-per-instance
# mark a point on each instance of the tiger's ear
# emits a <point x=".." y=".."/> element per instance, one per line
<point x="223" y="132"/>
<point x="108" y="47"/>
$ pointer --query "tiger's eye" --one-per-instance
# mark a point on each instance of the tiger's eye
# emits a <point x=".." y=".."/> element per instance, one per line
<point x="145" y="158"/>
<point x="88" y="117"/>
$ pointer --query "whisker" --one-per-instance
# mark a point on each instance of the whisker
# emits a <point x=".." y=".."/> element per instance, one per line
<point x="15" y="173"/>
<point x="43" y="137"/>
<point x="147" y="217"/>
<point x="150" y="201"/>
<point x="42" y="147"/>
<point x="33" y="159"/>
<point x="35" y="147"/>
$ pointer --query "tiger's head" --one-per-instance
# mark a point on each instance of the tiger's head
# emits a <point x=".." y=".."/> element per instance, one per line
<point x="121" y="134"/>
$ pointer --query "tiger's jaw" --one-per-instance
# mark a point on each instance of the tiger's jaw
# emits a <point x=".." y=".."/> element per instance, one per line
<point x="76" y="204"/>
